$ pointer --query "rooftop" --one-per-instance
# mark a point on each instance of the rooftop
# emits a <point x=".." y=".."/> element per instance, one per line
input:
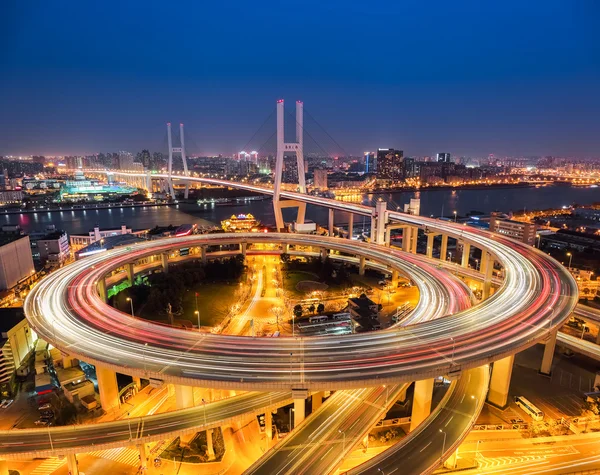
<point x="10" y="317"/>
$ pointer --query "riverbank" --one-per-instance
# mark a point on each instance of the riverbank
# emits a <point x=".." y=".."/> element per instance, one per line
<point x="84" y="207"/>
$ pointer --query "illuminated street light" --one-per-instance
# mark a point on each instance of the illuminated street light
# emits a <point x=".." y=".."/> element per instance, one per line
<point x="130" y="303"/>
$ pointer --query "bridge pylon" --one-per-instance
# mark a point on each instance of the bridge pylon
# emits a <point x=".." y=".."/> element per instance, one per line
<point x="284" y="147"/>
<point x="180" y="150"/>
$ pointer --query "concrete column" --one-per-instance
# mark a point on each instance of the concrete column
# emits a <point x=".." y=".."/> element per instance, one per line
<point x="361" y="265"/>
<point x="184" y="396"/>
<point x="107" y="387"/>
<point x="465" y="255"/>
<point x="406" y="234"/>
<point x="598" y="337"/>
<point x="209" y="444"/>
<point x="203" y="254"/>
<point x="430" y="238"/>
<point x="382" y="221"/>
<point x="67" y="361"/>
<point x="451" y="461"/>
<point x="102" y="289"/>
<point x="72" y="464"/>
<point x="3" y="467"/>
<point x="331" y="218"/>
<point x="130" y="272"/>
<point x="143" y="450"/>
<point x="394" y="277"/>
<point x="299" y="411"/>
<point x="444" y="248"/>
<point x="373" y="229"/>
<point x="171" y="389"/>
<point x="546" y="368"/>
<point x="500" y="382"/>
<point x="137" y="381"/>
<point x="323" y="252"/>
<point x="402" y="395"/>
<point x="165" y="262"/>
<point x="243" y="248"/>
<point x="414" y="235"/>
<point x="317" y="401"/>
<point x="488" y="267"/>
<point x="269" y="425"/>
<point x="286" y="248"/>
<point x="421" y="402"/>
<point x="301" y="212"/>
<point x="350" y="225"/>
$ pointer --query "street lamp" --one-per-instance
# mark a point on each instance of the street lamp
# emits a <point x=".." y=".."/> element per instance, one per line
<point x="538" y="239"/>
<point x="204" y="404"/>
<point x="453" y="346"/>
<point x="198" y="316"/>
<point x="145" y="349"/>
<point x="130" y="303"/>
<point x="443" y="445"/>
<point x="291" y="410"/>
<point x="477" y="264"/>
<point x="343" y="439"/>
<point x="570" y="258"/>
<point x="455" y="216"/>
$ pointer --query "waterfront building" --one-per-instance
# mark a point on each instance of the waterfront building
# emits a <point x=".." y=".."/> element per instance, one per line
<point x="10" y="197"/>
<point x="240" y="223"/>
<point x="79" y="241"/>
<point x="519" y="230"/>
<point x="16" y="262"/>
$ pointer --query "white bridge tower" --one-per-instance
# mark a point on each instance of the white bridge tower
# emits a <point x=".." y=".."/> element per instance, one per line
<point x="180" y="150"/>
<point x="284" y="147"/>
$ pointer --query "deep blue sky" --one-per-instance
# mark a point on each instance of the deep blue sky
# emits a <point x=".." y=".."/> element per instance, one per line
<point x="468" y="77"/>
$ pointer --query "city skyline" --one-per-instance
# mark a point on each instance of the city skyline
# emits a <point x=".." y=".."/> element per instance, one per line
<point x="502" y="82"/>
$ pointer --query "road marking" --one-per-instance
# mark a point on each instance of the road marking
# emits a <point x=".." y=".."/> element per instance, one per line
<point x="425" y="447"/>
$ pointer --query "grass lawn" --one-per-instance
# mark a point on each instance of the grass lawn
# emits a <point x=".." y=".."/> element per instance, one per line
<point x="214" y="301"/>
<point x="291" y="279"/>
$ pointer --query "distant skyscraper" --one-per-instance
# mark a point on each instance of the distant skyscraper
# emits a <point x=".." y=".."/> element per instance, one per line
<point x="390" y="164"/>
<point x="443" y="157"/>
<point x="370" y="163"/>
<point x="125" y="161"/>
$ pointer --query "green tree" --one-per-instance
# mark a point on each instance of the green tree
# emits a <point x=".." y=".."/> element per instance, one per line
<point x="320" y="308"/>
<point x="298" y="310"/>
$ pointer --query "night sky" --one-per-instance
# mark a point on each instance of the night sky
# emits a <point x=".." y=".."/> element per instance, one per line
<point x="466" y="77"/>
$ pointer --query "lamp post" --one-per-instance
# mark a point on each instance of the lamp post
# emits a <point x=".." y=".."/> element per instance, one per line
<point x="291" y="410"/>
<point x="477" y="264"/>
<point x="538" y="238"/>
<point x="198" y="316"/>
<point x="145" y="349"/>
<point x="343" y="439"/>
<point x="443" y="445"/>
<point x="453" y="347"/>
<point x="455" y="216"/>
<point x="570" y="259"/>
<point x="130" y="303"/>
<point x="129" y="423"/>
<point x="477" y="450"/>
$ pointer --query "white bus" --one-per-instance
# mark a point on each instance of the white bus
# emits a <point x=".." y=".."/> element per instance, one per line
<point x="320" y="318"/>
<point x="529" y="408"/>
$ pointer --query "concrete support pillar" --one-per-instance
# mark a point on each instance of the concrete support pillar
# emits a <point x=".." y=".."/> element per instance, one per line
<point x="373" y="229"/>
<point x="301" y="212"/>
<point x="546" y="368"/>
<point x="430" y="238"/>
<point x="299" y="411"/>
<point x="382" y="221"/>
<point x="130" y="272"/>
<point x="107" y="387"/>
<point x="331" y="218"/>
<point x="269" y="425"/>
<point x="143" y="450"/>
<point x="444" y="248"/>
<point x="394" y="277"/>
<point x="487" y="263"/>
<point x="3" y="467"/>
<point x="317" y="401"/>
<point x="465" y="255"/>
<point x="414" y="235"/>
<point x="350" y="225"/>
<point x="72" y="465"/>
<point x="244" y="248"/>
<point x="421" y="402"/>
<point x="323" y="252"/>
<point x="388" y="236"/>
<point x="402" y="395"/>
<point x="598" y="337"/>
<point x="286" y="248"/>
<point x="361" y="265"/>
<point x="171" y="389"/>
<point x="451" y="461"/>
<point x="137" y="381"/>
<point x="500" y="382"/>
<point x="184" y="396"/>
<point x="406" y="234"/>
<point x="203" y="254"/>
<point x="67" y="361"/>
<point x="102" y="289"/>
<point x="165" y="262"/>
<point x="209" y="444"/>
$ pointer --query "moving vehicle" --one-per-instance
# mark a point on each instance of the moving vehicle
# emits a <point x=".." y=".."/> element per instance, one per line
<point x="525" y="404"/>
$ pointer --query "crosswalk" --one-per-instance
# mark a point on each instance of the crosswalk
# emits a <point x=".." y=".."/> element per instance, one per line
<point x="48" y="466"/>
<point x="122" y="455"/>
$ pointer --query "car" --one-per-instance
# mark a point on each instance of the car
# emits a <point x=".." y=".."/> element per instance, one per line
<point x="9" y="402"/>
<point x="2" y="403"/>
<point x="42" y="422"/>
<point x="45" y="407"/>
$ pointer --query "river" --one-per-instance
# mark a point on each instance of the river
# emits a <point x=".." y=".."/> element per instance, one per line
<point x="433" y="202"/>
